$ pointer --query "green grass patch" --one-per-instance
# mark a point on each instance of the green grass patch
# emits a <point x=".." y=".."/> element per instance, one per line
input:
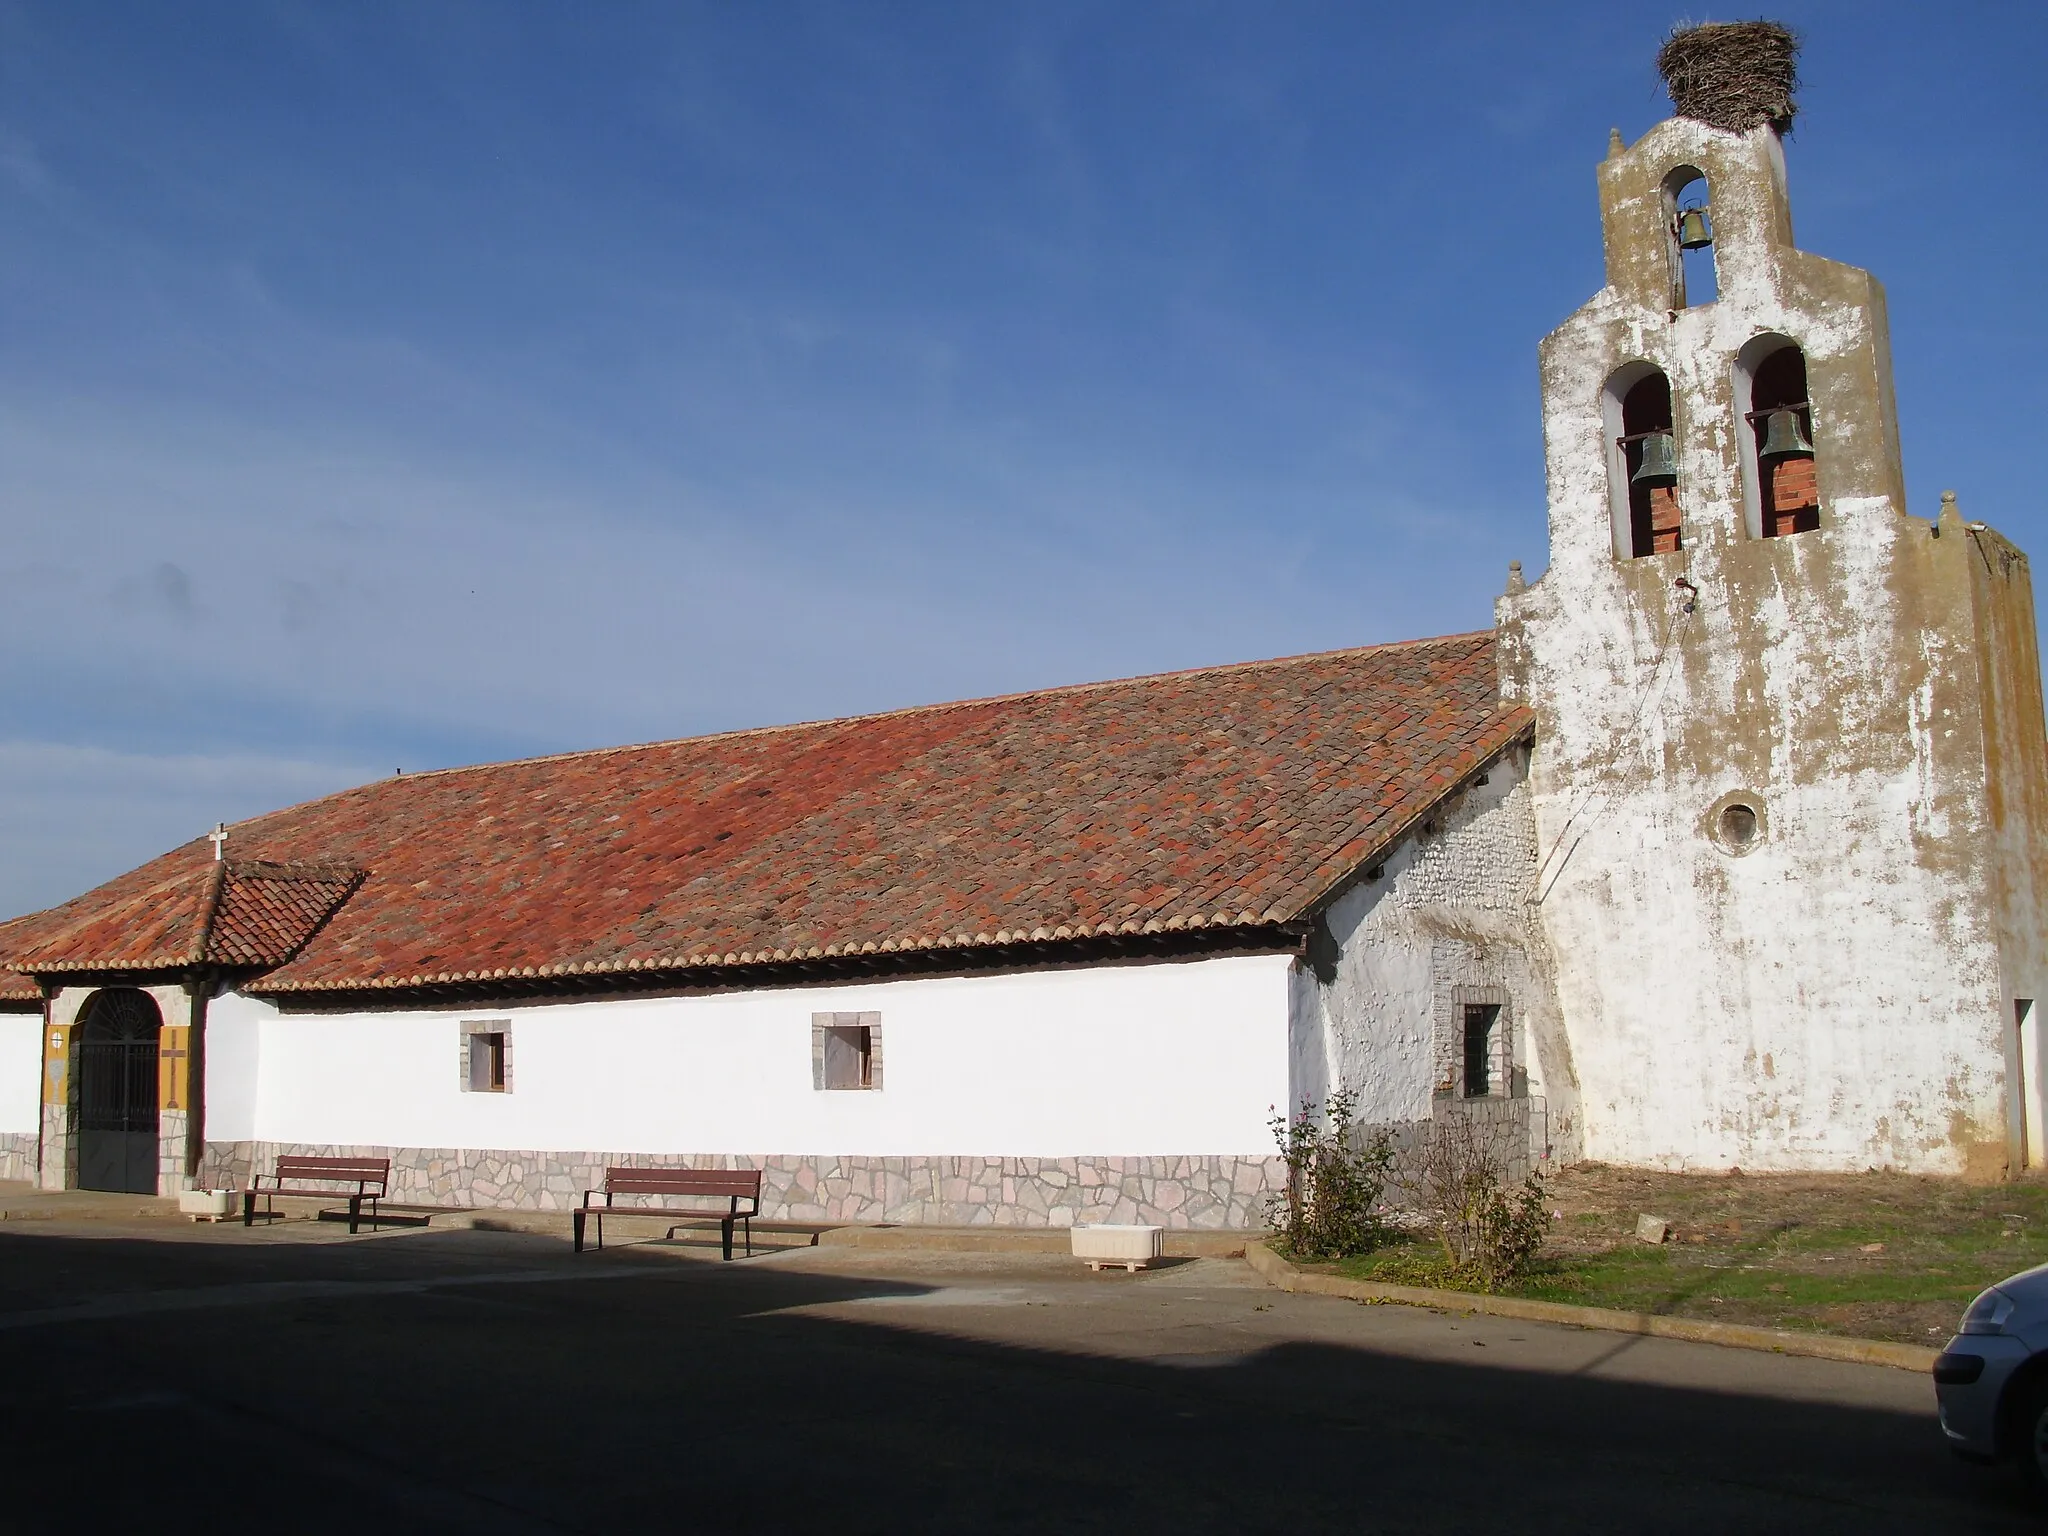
<point x="1879" y="1256"/>
<point x="1735" y="1285"/>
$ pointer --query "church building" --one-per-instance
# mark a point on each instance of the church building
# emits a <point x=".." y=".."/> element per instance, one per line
<point x="1726" y="846"/>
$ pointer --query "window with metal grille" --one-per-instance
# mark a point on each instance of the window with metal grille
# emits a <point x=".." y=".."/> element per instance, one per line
<point x="1481" y="1025"/>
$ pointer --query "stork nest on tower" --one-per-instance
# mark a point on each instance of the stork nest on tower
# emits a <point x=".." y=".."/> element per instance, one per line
<point x="1735" y="75"/>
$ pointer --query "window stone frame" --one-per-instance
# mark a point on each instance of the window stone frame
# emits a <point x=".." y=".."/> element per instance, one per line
<point x="1450" y="1051"/>
<point x="469" y="1030"/>
<point x="821" y="1024"/>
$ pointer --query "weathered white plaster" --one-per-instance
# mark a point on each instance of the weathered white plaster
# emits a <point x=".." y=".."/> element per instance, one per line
<point x="1133" y="1059"/>
<point x="1446" y="922"/>
<point x="21" y="1071"/>
<point x="2036" y="1124"/>
<point x="1840" y="995"/>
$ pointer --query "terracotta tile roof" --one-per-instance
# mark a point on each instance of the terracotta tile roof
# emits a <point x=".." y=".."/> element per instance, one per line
<point x="16" y="989"/>
<point x="1232" y="797"/>
<point x="267" y="911"/>
<point x="238" y="913"/>
<point x="144" y="925"/>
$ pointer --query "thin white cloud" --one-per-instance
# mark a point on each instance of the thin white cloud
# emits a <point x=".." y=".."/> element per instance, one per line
<point x="796" y="414"/>
<point x="286" y="571"/>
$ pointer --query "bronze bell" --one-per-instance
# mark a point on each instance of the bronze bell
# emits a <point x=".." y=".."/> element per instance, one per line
<point x="1695" y="233"/>
<point x="1660" y="460"/>
<point x="1784" y="438"/>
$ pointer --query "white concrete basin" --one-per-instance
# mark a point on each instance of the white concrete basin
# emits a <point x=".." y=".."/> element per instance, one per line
<point x="206" y="1204"/>
<point x="1129" y="1248"/>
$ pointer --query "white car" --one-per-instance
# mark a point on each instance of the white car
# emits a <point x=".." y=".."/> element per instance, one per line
<point x="1992" y="1379"/>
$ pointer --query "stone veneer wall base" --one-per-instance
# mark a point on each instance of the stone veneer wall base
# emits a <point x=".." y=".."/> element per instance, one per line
<point x="18" y="1150"/>
<point x="59" y="1151"/>
<point x="174" y="1126"/>
<point x="1176" y="1191"/>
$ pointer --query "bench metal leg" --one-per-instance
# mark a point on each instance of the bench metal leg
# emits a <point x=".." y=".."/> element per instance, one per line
<point x="576" y="1226"/>
<point x="355" y="1213"/>
<point x="725" y="1230"/>
<point x="248" y="1207"/>
<point x="748" y="1223"/>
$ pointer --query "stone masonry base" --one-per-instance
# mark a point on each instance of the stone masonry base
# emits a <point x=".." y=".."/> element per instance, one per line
<point x="18" y="1155"/>
<point x="1181" y="1191"/>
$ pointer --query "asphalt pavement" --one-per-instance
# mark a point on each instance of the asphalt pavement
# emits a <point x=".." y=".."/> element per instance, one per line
<point x="167" y="1377"/>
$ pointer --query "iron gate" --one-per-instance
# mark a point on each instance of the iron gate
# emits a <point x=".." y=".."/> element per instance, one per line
<point x="116" y="1063"/>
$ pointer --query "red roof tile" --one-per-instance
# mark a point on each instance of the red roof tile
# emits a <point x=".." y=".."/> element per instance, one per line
<point x="1233" y="796"/>
<point x="237" y="913"/>
<point x="267" y="911"/>
<point x="15" y="988"/>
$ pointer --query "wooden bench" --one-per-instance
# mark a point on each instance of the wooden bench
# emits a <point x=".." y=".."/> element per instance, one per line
<point x="299" y="1176"/>
<point x="732" y="1185"/>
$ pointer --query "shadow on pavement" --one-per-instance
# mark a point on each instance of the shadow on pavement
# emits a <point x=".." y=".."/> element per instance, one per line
<point x="466" y="1382"/>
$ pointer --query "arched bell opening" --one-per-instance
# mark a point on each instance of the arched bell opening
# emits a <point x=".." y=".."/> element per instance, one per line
<point x="1780" y="477"/>
<point x="115" y="1061"/>
<point x="1642" y="461"/>
<point x="1689" y="222"/>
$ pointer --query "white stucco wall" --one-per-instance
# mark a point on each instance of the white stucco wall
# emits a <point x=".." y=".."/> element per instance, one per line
<point x="1830" y="998"/>
<point x="21" y="1072"/>
<point x="1116" y="1059"/>
<point x="1820" y="1002"/>
<point x="234" y="1044"/>
<point x="1447" y="913"/>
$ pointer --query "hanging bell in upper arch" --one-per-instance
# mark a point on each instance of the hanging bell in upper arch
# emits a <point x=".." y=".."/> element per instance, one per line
<point x="1695" y="230"/>
<point x="1785" y="438"/>
<point x="1659" y="465"/>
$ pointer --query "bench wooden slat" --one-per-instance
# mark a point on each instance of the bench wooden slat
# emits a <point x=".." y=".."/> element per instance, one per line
<point x="309" y="1192"/>
<point x="370" y="1175"/>
<point x="339" y="1167"/>
<point x="683" y="1180"/>
<point x="732" y="1185"/>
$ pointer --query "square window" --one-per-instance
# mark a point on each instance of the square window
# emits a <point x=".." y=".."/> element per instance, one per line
<point x="1481" y="1025"/>
<point x="487" y="1057"/>
<point x="849" y="1049"/>
<point x="846" y="1051"/>
<point x="487" y="1063"/>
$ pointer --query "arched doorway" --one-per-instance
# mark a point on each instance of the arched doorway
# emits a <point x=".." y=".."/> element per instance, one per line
<point x="117" y="1071"/>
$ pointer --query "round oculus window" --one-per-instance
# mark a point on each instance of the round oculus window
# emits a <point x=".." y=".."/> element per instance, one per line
<point x="1737" y="822"/>
<point x="1738" y="825"/>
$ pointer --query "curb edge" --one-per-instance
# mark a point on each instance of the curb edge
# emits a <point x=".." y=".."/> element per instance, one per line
<point x="1287" y="1276"/>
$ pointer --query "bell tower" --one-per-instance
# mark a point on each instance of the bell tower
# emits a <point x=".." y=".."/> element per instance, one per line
<point x="1790" y="775"/>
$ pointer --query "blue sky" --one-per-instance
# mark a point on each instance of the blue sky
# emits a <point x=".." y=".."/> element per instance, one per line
<point x="405" y="385"/>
